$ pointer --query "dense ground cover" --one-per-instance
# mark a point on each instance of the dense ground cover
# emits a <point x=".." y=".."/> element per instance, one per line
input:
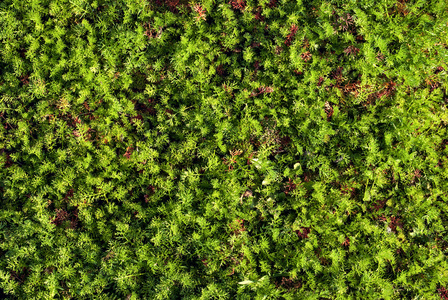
<point x="223" y="150"/>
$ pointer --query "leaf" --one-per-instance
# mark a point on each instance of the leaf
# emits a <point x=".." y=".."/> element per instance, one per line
<point x="246" y="282"/>
<point x="256" y="163"/>
<point x="267" y="181"/>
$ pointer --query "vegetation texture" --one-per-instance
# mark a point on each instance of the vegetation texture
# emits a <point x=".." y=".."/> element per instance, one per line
<point x="271" y="149"/>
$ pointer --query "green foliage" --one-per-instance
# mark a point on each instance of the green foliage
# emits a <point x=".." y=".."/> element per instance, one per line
<point x="240" y="150"/>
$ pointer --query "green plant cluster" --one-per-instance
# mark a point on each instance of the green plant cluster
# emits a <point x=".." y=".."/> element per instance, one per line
<point x="270" y="149"/>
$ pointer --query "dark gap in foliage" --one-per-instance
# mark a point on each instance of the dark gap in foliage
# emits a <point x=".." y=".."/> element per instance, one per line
<point x="3" y="295"/>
